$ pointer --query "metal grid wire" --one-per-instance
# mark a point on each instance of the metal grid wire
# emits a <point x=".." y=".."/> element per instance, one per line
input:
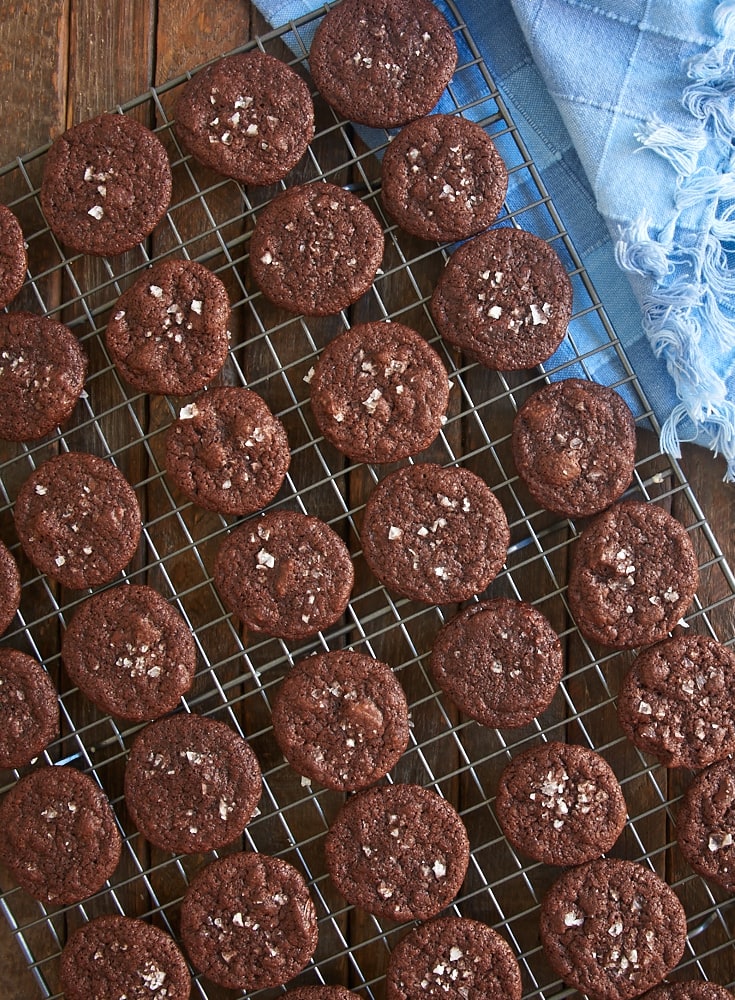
<point x="210" y="220"/>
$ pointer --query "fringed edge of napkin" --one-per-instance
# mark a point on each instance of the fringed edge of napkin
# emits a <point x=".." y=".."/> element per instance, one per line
<point x="689" y="282"/>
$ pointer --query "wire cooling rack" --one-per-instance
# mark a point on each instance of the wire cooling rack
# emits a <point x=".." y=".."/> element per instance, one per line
<point x="209" y="220"/>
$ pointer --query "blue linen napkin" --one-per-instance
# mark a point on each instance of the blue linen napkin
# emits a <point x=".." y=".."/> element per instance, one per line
<point x="628" y="110"/>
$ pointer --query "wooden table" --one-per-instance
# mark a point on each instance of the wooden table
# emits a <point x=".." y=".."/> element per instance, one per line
<point x="66" y="60"/>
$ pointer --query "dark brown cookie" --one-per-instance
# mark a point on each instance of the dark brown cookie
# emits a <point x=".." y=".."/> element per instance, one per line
<point x="499" y="661"/>
<point x="191" y="784"/>
<point x="560" y="804"/>
<point x="248" y="922"/>
<point x="504" y="299"/>
<point x="29" y="708"/>
<point x="227" y="452"/>
<point x="43" y="370"/>
<point x="58" y="835"/>
<point x="168" y="332"/>
<point x="633" y="575"/>
<point x="383" y="62"/>
<point x="453" y="957"/>
<point x="286" y="573"/>
<point x="106" y="183"/>
<point x="574" y="446"/>
<point x="13" y="256"/>
<point x="398" y="851"/>
<point x="379" y="392"/>
<point x="341" y="718"/>
<point x="315" y="249"/>
<point x="443" y="178"/>
<point x="78" y="519"/>
<point x="114" y="956"/>
<point x="705" y="824"/>
<point x="10" y="588"/>
<point x="692" y="989"/>
<point x="247" y="116"/>
<point x="130" y="652"/>
<point x="434" y="534"/>
<point x="612" y="929"/>
<point x="677" y="701"/>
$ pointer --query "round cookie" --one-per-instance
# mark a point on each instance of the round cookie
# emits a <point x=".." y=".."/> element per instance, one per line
<point x="504" y="299"/>
<point x="315" y="249"/>
<point x="106" y="184"/>
<point x="398" y="851"/>
<point x="453" y="957"/>
<point x="443" y="178"/>
<point x="29" y="708"/>
<point x="434" y="534"/>
<point x="168" y="331"/>
<point x="43" y="369"/>
<point x="13" y="256"/>
<point x="379" y="392"/>
<point x="341" y="718"/>
<point x="633" y="575"/>
<point x="499" y="661"/>
<point x="114" y="956"/>
<point x="286" y="573"/>
<point x="130" y="652"/>
<point x="78" y="519"/>
<point x="560" y="804"/>
<point x="705" y="824"/>
<point x="247" y="116"/>
<point x="58" y="835"/>
<point x="191" y="784"/>
<point x="10" y="587"/>
<point x="612" y="929"/>
<point x="692" y="989"/>
<point x="227" y="452"/>
<point x="248" y="922"/>
<point x="383" y="62"/>
<point x="574" y="446"/>
<point x="677" y="701"/>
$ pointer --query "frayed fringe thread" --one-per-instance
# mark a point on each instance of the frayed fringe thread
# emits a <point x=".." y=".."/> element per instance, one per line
<point x="685" y="318"/>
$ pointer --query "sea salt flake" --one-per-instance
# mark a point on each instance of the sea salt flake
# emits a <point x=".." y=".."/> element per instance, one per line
<point x="96" y="211"/>
<point x="394" y="532"/>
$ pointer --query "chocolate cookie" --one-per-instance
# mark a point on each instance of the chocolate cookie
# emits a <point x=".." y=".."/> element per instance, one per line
<point x="130" y="652"/>
<point x="383" y="62"/>
<point x="560" y="804"/>
<point x="612" y="929"/>
<point x="692" y="989"/>
<point x="43" y="370"/>
<point x="677" y="701"/>
<point x="29" y="708"/>
<point x="443" y="178"/>
<point x="398" y="851"/>
<point x="705" y="824"/>
<point x="58" y="835"/>
<point x="248" y="922"/>
<point x="106" y="183"/>
<point x="315" y="249"/>
<point x="633" y="575"/>
<point x="247" y="116"/>
<point x="227" y="452"/>
<point x="434" y="534"/>
<point x="78" y="519"/>
<point x="168" y="332"/>
<point x="9" y="587"/>
<point x="13" y="256"/>
<point x="341" y="718"/>
<point x="379" y="392"/>
<point x="504" y="299"/>
<point x="191" y="783"/>
<point x="114" y="956"/>
<point x="453" y="957"/>
<point x="286" y="573"/>
<point x="499" y="661"/>
<point x="574" y="446"/>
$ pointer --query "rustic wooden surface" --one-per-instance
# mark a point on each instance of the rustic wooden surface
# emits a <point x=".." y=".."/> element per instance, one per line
<point x="64" y="60"/>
